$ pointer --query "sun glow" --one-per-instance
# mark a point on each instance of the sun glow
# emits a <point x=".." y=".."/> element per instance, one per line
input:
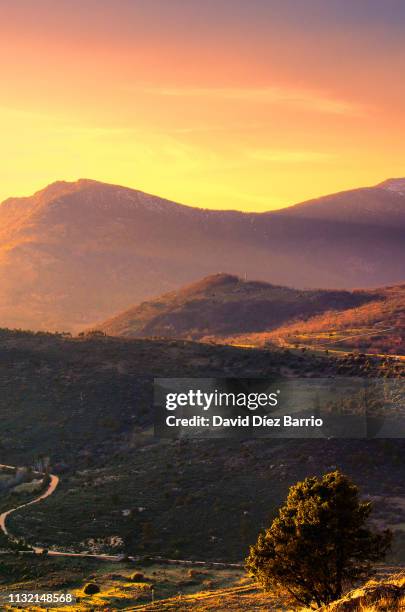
<point x="221" y="119"/>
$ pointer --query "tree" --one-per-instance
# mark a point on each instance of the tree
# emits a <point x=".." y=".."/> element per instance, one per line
<point x="319" y="543"/>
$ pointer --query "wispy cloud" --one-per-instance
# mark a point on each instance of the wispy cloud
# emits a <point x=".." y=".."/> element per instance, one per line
<point x="229" y="127"/>
<point x="303" y="98"/>
<point x="289" y="156"/>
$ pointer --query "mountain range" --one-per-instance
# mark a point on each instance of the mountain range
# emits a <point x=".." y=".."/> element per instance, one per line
<point x="74" y="254"/>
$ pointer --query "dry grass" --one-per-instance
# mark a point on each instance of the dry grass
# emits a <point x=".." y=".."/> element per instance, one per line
<point x="237" y="599"/>
<point x="384" y="596"/>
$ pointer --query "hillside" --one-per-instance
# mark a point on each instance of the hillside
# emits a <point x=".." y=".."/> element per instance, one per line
<point x="87" y="403"/>
<point x="178" y="587"/>
<point x="74" y="254"/>
<point x="224" y="304"/>
<point x="377" y="326"/>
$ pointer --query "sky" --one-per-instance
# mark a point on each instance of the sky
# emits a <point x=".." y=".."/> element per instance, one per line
<point x="221" y="104"/>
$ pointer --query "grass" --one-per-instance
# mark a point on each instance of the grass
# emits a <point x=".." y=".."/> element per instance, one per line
<point x="122" y="585"/>
<point x="386" y="595"/>
<point x="127" y="586"/>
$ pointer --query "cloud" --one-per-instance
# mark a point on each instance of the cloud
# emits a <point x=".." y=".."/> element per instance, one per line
<point x="310" y="100"/>
<point x="289" y="156"/>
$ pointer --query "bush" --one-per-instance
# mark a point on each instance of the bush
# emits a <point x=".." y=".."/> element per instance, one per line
<point x="319" y="543"/>
<point x="138" y="577"/>
<point x="91" y="588"/>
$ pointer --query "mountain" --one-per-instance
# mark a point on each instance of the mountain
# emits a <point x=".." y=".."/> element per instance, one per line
<point x="75" y="253"/>
<point x="226" y="308"/>
<point x="383" y="205"/>
<point x="224" y="304"/>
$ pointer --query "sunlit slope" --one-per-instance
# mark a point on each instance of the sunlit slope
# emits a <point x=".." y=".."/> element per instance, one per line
<point x="377" y="326"/>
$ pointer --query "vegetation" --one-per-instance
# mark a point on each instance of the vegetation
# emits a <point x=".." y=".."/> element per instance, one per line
<point x="319" y="543"/>
<point x="91" y="588"/>
<point x="85" y="403"/>
<point x="375" y="596"/>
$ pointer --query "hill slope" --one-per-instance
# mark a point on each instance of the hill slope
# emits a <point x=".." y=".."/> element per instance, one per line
<point x="224" y="304"/>
<point x="376" y="326"/>
<point x="74" y="253"/>
<point x="87" y="403"/>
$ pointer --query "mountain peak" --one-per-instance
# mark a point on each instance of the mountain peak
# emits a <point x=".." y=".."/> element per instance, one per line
<point x="394" y="184"/>
<point x="58" y="188"/>
<point x="213" y="281"/>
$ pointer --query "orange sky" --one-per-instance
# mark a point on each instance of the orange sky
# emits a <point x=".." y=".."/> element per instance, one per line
<point x="224" y="104"/>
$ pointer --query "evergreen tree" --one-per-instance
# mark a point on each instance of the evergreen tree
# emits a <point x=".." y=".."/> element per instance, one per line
<point x="319" y="543"/>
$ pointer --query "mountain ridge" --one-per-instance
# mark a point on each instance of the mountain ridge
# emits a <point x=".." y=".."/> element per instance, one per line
<point x="76" y="252"/>
<point x="61" y="187"/>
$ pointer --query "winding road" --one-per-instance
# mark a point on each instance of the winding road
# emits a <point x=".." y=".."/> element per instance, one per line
<point x="53" y="483"/>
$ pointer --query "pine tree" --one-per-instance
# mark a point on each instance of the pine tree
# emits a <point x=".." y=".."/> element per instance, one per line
<point x="319" y="543"/>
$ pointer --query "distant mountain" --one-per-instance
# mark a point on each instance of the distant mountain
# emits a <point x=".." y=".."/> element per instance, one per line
<point x="394" y="184"/>
<point x="226" y="308"/>
<point x="224" y="304"/>
<point x="75" y="253"/>
<point x="383" y="205"/>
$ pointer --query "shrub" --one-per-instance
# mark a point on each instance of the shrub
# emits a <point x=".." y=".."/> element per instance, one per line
<point x="91" y="588"/>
